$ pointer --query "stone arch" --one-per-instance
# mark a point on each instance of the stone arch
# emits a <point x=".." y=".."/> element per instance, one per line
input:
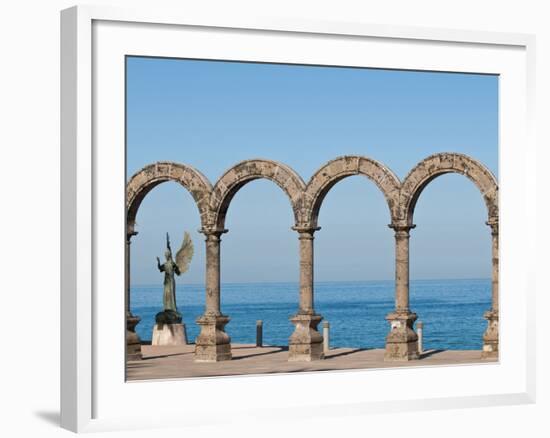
<point x="439" y="164"/>
<point x="336" y="170"/>
<point x="249" y="170"/>
<point x="143" y="181"/>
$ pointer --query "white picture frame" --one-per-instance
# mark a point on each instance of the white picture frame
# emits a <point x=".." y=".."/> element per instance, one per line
<point x="94" y="395"/>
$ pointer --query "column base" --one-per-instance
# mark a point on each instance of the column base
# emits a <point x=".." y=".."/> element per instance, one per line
<point x="402" y="341"/>
<point x="133" y="343"/>
<point x="169" y="334"/>
<point x="212" y="344"/>
<point x="306" y="343"/>
<point x="490" y="337"/>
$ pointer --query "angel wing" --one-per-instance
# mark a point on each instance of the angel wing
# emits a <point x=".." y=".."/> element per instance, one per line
<point x="185" y="253"/>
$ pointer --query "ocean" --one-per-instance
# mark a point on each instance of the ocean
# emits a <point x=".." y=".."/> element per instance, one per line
<point x="452" y="310"/>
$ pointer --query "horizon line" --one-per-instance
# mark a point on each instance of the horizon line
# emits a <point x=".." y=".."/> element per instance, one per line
<point x="317" y="282"/>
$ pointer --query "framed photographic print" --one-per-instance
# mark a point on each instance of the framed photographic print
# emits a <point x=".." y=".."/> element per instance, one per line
<point x="310" y="217"/>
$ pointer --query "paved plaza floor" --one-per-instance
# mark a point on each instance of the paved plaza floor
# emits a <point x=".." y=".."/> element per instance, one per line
<point x="177" y="362"/>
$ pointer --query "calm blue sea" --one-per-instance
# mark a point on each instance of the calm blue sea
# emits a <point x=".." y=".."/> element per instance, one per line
<point x="452" y="310"/>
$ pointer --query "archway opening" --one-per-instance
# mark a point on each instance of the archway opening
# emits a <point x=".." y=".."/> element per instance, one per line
<point x="450" y="264"/>
<point x="167" y="208"/>
<point x="354" y="264"/>
<point x="259" y="264"/>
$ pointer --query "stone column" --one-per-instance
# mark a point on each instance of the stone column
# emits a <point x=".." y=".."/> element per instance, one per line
<point x="133" y="343"/>
<point x="212" y="344"/>
<point x="306" y="343"/>
<point x="490" y="337"/>
<point x="401" y="342"/>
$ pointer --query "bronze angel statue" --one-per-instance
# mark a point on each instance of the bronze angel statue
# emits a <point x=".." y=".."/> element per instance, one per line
<point x="170" y="314"/>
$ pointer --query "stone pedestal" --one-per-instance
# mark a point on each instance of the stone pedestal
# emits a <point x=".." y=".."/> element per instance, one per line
<point x="212" y="344"/>
<point x="490" y="337"/>
<point x="306" y="343"/>
<point x="402" y="341"/>
<point x="169" y="334"/>
<point x="133" y="344"/>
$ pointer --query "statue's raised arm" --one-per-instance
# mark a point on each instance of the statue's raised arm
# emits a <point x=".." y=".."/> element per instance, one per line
<point x="159" y="266"/>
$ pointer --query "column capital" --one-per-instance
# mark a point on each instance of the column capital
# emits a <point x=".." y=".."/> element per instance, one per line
<point x="493" y="223"/>
<point x="402" y="230"/>
<point x="130" y="228"/>
<point x="308" y="230"/>
<point x="213" y="232"/>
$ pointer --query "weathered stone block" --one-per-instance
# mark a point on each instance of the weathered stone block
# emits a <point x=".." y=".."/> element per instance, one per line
<point x="490" y="337"/>
<point x="350" y="164"/>
<point x="446" y="161"/>
<point x="336" y="167"/>
<point x="133" y="343"/>
<point x="402" y="341"/>
<point x="306" y="343"/>
<point x="212" y="344"/>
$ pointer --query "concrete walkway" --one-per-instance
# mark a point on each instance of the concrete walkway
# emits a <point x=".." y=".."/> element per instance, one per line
<point x="177" y="362"/>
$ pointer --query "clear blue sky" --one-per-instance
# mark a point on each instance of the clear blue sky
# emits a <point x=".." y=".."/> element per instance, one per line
<point x="212" y="114"/>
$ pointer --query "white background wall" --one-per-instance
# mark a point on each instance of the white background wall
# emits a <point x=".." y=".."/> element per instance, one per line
<point x="29" y="219"/>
